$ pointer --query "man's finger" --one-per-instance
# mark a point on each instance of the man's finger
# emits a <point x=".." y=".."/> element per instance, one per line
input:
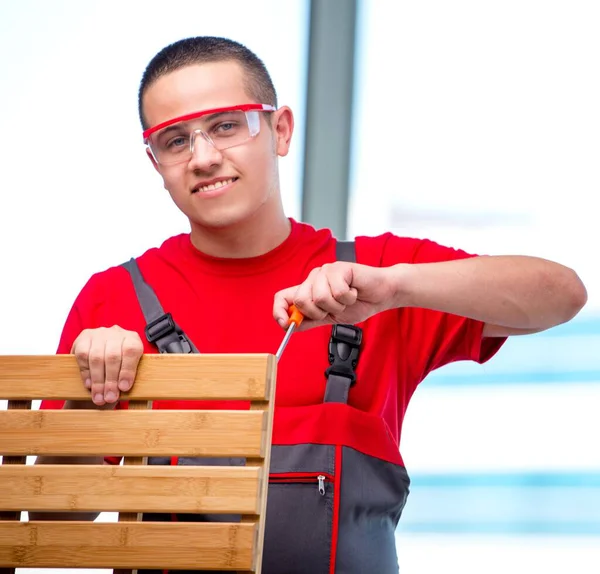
<point x="81" y="350"/>
<point x="112" y="366"/>
<point x="322" y="295"/>
<point x="303" y="297"/>
<point x="131" y="352"/>
<point x="340" y="290"/>
<point x="304" y="301"/>
<point x="281" y="303"/>
<point x="96" y="366"/>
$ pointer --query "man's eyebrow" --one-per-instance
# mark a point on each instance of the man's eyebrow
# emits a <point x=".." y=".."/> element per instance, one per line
<point x="176" y="126"/>
<point x="218" y="114"/>
<point x="169" y="129"/>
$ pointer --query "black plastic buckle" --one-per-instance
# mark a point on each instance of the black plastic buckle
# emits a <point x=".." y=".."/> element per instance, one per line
<point x="164" y="325"/>
<point x="344" y="348"/>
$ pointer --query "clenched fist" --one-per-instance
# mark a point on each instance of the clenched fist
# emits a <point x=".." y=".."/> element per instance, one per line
<point x="339" y="292"/>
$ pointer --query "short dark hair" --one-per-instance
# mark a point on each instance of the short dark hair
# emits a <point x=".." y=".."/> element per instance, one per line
<point x="205" y="49"/>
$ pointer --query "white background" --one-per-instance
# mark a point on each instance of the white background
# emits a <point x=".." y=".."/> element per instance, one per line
<point x="478" y="125"/>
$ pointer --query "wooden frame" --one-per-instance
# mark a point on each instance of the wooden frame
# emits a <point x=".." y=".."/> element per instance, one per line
<point x="134" y="487"/>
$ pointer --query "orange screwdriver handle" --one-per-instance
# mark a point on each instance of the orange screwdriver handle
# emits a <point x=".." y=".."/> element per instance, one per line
<point x="295" y="316"/>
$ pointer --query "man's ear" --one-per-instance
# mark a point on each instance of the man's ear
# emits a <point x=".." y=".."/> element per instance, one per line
<point x="149" y="153"/>
<point x="283" y="128"/>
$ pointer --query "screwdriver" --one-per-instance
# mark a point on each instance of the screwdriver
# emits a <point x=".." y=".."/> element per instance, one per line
<point x="294" y="321"/>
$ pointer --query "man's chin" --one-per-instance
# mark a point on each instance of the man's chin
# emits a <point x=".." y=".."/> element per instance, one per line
<point x="220" y="221"/>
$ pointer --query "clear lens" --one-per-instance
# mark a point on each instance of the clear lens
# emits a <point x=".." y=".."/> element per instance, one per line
<point x="175" y="143"/>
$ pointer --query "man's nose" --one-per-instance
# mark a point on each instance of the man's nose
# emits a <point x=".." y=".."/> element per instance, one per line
<point x="204" y="153"/>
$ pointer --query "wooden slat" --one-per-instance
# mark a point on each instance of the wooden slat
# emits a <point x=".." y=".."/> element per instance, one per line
<point x="134" y="433"/>
<point x="77" y="488"/>
<point x="214" y="546"/>
<point x="174" y="377"/>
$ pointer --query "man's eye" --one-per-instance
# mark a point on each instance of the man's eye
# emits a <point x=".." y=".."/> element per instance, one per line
<point x="226" y="128"/>
<point x="177" y="142"/>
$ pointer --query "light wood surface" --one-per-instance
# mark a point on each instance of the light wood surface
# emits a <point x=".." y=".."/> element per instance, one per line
<point x="132" y="433"/>
<point x="179" y="377"/>
<point x="223" y="546"/>
<point x="136" y="487"/>
<point x="189" y="489"/>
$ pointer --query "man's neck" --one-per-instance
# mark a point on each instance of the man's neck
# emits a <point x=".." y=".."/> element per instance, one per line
<point x="248" y="239"/>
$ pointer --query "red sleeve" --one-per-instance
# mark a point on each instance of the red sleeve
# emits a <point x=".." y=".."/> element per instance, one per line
<point x="452" y="338"/>
<point x="84" y="314"/>
<point x="431" y="339"/>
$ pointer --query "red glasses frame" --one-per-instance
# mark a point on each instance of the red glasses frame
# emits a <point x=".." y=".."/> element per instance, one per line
<point x="243" y="108"/>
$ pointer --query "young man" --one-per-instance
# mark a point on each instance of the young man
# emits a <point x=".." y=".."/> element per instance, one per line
<point x="214" y="133"/>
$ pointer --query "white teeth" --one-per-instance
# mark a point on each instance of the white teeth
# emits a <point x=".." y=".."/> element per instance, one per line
<point x="216" y="185"/>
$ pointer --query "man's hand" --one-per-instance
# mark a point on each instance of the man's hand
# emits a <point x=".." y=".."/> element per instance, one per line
<point x="338" y="292"/>
<point x="108" y="359"/>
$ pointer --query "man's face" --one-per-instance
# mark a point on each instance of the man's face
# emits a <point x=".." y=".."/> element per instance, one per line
<point x="246" y="175"/>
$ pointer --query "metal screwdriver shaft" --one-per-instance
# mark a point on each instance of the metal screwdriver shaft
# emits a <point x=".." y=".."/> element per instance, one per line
<point x="284" y="343"/>
<point x="295" y="320"/>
